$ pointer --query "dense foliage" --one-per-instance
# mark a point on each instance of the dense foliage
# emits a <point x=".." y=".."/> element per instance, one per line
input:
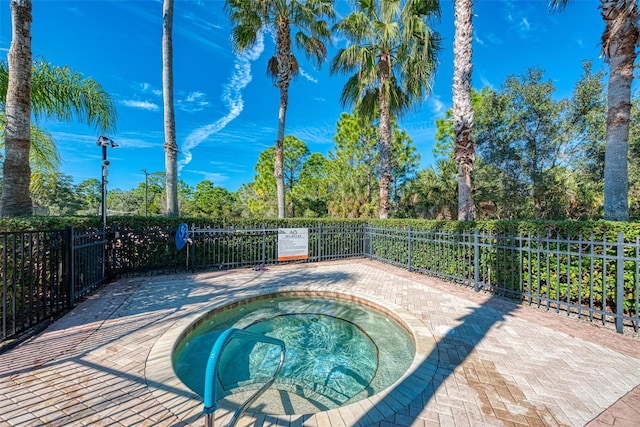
<point x="539" y="156"/>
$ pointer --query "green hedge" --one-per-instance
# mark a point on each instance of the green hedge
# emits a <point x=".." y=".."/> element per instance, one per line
<point x="544" y="269"/>
<point x="564" y="229"/>
<point x="555" y="263"/>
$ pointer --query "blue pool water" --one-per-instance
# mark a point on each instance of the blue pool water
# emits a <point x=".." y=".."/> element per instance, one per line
<point x="337" y="352"/>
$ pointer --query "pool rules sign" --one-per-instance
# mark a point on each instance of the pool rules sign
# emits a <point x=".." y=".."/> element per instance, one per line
<point x="293" y="243"/>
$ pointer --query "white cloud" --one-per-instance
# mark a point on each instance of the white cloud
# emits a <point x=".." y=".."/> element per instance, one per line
<point x="485" y="82"/>
<point x="194" y="96"/>
<point x="216" y="178"/>
<point x="307" y="76"/>
<point x="199" y="28"/>
<point x="319" y="134"/>
<point x="144" y="140"/>
<point x="232" y="97"/>
<point x="194" y="101"/>
<point x="436" y="106"/>
<point x="515" y="15"/>
<point x="142" y="105"/>
<point x="492" y="38"/>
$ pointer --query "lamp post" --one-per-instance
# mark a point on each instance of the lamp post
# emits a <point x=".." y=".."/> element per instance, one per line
<point x="105" y="142"/>
<point x="146" y="192"/>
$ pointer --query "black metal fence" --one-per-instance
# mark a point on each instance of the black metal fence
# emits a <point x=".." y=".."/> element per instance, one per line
<point x="44" y="273"/>
<point x="32" y="279"/>
<point x="581" y="276"/>
<point x="154" y="251"/>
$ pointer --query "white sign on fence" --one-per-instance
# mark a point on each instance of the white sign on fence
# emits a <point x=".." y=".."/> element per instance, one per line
<point x="293" y="243"/>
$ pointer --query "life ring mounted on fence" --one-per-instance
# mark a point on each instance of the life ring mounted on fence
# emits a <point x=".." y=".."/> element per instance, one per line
<point x="182" y="235"/>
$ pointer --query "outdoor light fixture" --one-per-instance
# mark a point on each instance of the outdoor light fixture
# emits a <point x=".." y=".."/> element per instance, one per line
<point x="105" y="142"/>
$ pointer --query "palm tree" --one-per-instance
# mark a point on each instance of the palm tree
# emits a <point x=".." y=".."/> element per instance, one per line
<point x="437" y="189"/>
<point x="16" y="199"/>
<point x="464" y="151"/>
<point x="392" y="51"/>
<point x="251" y="17"/>
<point x="44" y="159"/>
<point x="170" y="146"/>
<point x="620" y="38"/>
<point x="58" y="92"/>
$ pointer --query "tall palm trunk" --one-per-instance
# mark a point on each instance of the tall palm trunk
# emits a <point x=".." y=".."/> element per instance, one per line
<point x="283" y="55"/>
<point x="385" y="136"/>
<point x="170" y="146"/>
<point x="464" y="151"/>
<point x="618" y="43"/>
<point x="279" y="152"/>
<point x="16" y="198"/>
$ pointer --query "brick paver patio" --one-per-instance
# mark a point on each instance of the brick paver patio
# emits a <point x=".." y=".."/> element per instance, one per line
<point x="488" y="361"/>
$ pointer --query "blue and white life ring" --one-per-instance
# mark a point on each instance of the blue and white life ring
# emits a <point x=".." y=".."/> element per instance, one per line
<point x="182" y="236"/>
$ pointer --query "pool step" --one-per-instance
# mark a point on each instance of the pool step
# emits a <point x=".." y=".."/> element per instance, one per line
<point x="276" y="402"/>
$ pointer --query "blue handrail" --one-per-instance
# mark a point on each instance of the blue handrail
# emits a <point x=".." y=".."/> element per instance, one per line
<point x="212" y="366"/>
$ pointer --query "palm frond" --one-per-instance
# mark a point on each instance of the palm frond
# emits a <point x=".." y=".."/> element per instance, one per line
<point x="352" y="91"/>
<point x="347" y="59"/>
<point x="389" y="10"/>
<point x="423" y="8"/>
<point x="243" y="36"/>
<point x="272" y="68"/>
<point x="43" y="153"/>
<point x="367" y="106"/>
<point x="295" y="66"/>
<point x="356" y="27"/>
<point x="312" y="47"/>
<point x="367" y="6"/>
<point x="398" y="31"/>
<point x="65" y="94"/>
<point x="4" y="83"/>
<point x="558" y="4"/>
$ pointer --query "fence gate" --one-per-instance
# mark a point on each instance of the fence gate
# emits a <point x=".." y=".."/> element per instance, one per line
<point x="89" y="264"/>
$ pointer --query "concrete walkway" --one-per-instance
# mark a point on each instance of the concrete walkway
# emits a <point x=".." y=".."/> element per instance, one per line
<point x="486" y="361"/>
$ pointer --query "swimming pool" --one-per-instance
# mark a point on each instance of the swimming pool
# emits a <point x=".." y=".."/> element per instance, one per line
<point x="339" y="351"/>
<point x="206" y="296"/>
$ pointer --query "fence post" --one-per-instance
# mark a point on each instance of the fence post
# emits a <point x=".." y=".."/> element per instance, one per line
<point x="409" y="248"/>
<point x="476" y="261"/>
<point x="264" y="246"/>
<point x="365" y="240"/>
<point x="113" y="236"/>
<point x="193" y="248"/>
<point x="619" y="283"/>
<point x="106" y="235"/>
<point x="319" y="245"/>
<point x="67" y="265"/>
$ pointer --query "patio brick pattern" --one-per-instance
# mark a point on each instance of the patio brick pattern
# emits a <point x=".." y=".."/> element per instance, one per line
<point x="498" y="363"/>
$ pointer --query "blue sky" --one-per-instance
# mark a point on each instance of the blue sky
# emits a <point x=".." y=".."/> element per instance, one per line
<point x="226" y="106"/>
